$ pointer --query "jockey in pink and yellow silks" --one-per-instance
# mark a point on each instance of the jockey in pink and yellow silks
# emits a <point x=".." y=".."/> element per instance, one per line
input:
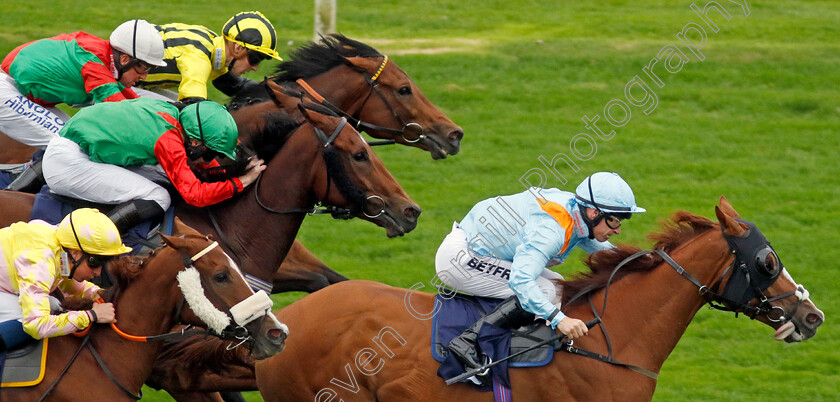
<point x="39" y="258"/>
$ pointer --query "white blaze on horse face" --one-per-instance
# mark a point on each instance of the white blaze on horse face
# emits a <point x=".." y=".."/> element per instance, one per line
<point x="189" y="280"/>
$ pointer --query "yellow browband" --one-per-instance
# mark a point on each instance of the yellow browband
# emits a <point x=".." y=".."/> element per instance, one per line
<point x="382" y="67"/>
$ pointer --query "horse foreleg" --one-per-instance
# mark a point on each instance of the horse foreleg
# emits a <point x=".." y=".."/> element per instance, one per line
<point x="301" y="271"/>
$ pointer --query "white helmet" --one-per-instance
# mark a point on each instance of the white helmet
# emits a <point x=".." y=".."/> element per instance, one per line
<point x="140" y="40"/>
<point x="607" y="192"/>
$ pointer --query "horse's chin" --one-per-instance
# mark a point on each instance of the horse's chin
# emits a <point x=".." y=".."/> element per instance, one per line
<point x="392" y="227"/>
<point x="437" y="150"/>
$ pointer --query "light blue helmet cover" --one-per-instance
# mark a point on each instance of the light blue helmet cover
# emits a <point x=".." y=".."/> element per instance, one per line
<point x="608" y="192"/>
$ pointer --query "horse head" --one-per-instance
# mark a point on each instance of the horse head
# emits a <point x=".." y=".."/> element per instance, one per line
<point x="373" y="92"/>
<point x="217" y="295"/>
<point x="353" y="176"/>
<point x="759" y="285"/>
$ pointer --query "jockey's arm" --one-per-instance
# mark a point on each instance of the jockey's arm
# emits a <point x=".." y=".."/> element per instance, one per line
<point x="38" y="320"/>
<point x="528" y="264"/>
<point x="231" y="84"/>
<point x="170" y="152"/>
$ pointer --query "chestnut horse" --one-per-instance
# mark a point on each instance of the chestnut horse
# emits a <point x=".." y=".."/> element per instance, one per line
<point x="148" y="299"/>
<point x="368" y="341"/>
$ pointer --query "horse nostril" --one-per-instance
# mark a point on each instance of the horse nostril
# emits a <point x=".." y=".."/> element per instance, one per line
<point x="456" y="135"/>
<point x="412" y="212"/>
<point x="277" y="334"/>
<point x="813" y="320"/>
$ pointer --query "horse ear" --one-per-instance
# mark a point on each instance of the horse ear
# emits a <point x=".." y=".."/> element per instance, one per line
<point x="726" y="207"/>
<point x="181" y="228"/>
<point x="358" y="63"/>
<point x="729" y="224"/>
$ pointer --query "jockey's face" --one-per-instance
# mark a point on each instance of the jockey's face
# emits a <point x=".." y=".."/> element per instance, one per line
<point x="85" y="272"/>
<point x="602" y="231"/>
<point x="241" y="64"/>
<point x="138" y="72"/>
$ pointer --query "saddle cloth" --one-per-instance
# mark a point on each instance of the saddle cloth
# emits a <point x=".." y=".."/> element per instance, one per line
<point x="461" y="311"/>
<point x="52" y="208"/>
<point x="24" y="366"/>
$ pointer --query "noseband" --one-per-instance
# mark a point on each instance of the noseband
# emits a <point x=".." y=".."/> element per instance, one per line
<point x="749" y="276"/>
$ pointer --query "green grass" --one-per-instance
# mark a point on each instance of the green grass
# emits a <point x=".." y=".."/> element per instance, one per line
<point x="757" y="121"/>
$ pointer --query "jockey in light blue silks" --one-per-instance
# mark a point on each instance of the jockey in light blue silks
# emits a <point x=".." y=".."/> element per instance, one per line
<point x="489" y="255"/>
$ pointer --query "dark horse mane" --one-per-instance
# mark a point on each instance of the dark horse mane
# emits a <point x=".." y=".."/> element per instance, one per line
<point x="316" y="58"/>
<point x="683" y="227"/>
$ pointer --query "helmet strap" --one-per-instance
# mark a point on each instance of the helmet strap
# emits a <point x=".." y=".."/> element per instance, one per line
<point x="76" y="262"/>
<point x="590" y="223"/>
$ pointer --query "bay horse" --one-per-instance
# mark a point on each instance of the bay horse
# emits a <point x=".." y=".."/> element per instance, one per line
<point x="360" y="83"/>
<point x="368" y="341"/>
<point x="189" y="280"/>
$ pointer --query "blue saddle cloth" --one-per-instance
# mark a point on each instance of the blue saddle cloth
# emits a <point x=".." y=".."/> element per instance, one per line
<point x="51" y="209"/>
<point x="458" y="313"/>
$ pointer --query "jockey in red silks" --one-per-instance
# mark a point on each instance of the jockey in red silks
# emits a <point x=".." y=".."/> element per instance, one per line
<point x="75" y="69"/>
<point x="116" y="152"/>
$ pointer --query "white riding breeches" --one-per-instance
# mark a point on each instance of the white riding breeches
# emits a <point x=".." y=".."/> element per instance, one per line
<point x="69" y="171"/>
<point x="24" y="120"/>
<point x="159" y="94"/>
<point x="458" y="267"/>
<point x="10" y="306"/>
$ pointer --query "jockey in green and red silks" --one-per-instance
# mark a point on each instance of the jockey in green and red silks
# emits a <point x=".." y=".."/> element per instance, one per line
<point x="76" y="69"/>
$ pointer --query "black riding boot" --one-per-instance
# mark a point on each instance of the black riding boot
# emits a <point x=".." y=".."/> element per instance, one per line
<point x="129" y="214"/>
<point x="507" y="315"/>
<point x="30" y="180"/>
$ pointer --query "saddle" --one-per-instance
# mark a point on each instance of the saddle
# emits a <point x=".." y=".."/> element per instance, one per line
<point x="24" y="366"/>
<point x="459" y="312"/>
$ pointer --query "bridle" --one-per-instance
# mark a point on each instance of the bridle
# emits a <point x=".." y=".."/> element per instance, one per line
<point x="256" y="306"/>
<point x="327" y="147"/>
<point x="410" y="132"/>
<point x="745" y="283"/>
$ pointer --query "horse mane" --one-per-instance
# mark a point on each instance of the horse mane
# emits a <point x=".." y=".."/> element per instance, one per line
<point x="273" y="134"/>
<point x="315" y="58"/>
<point x="683" y="227"/>
<point x="123" y="270"/>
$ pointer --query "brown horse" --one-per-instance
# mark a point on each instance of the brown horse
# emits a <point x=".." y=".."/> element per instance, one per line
<point x="365" y="86"/>
<point x="368" y="341"/>
<point x="148" y="301"/>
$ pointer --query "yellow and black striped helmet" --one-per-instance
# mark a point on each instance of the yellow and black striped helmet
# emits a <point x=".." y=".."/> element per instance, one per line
<point x="252" y="30"/>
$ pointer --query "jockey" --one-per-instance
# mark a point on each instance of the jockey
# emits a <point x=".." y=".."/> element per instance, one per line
<point x="487" y="255"/>
<point x="112" y="153"/>
<point x="75" y="69"/>
<point x="38" y="258"/>
<point x="195" y="55"/>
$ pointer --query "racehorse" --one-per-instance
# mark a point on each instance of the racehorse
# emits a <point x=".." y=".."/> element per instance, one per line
<point x="370" y="89"/>
<point x="189" y="280"/>
<point x="369" y="341"/>
<point x="347" y="74"/>
<point x="336" y="167"/>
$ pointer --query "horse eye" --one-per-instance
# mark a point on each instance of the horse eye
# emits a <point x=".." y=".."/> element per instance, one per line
<point x="405" y="91"/>
<point x="221" y="277"/>
<point x="361" y="156"/>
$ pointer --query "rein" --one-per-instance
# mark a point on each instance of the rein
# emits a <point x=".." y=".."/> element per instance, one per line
<point x="711" y="297"/>
<point x="185" y="332"/>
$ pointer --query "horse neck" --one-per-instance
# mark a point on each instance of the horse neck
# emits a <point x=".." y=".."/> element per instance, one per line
<point x="260" y="239"/>
<point x="139" y="314"/>
<point x="343" y="87"/>
<point x="648" y="312"/>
